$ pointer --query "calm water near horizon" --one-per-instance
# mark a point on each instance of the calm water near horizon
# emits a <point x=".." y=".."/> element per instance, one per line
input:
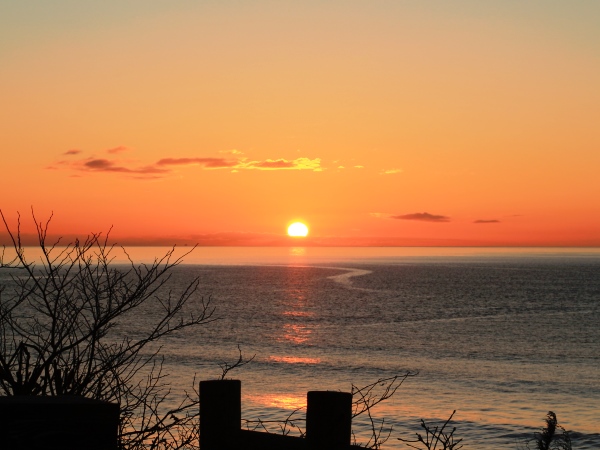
<point x="502" y="336"/>
<point x="318" y="255"/>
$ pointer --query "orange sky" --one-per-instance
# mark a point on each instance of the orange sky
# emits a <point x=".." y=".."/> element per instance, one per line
<point x="375" y="122"/>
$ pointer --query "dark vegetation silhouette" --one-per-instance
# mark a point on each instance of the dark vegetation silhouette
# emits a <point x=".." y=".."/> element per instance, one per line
<point x="435" y="437"/>
<point x="58" y="317"/>
<point x="553" y="436"/>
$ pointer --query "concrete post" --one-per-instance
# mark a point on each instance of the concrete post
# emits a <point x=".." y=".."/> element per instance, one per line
<point x="220" y="413"/>
<point x="328" y="420"/>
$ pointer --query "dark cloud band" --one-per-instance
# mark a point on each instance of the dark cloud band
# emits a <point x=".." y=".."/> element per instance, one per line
<point x="423" y="217"/>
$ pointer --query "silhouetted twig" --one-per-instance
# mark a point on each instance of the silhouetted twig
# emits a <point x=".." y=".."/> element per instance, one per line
<point x="226" y="368"/>
<point x="369" y="396"/>
<point x="435" y="436"/>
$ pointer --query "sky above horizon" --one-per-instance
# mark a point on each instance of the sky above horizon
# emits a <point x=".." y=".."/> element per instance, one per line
<point x="374" y="122"/>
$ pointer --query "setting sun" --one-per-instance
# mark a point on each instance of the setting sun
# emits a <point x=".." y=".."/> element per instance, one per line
<point x="297" y="229"/>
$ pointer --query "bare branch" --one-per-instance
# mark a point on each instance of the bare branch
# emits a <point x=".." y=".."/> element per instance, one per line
<point x="226" y="368"/>
<point x="367" y="397"/>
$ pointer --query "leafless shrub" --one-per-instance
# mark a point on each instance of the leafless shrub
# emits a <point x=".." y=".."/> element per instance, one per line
<point x="435" y="436"/>
<point x="58" y="316"/>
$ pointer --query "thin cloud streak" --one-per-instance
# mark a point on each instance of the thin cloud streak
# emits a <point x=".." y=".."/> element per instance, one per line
<point x="211" y="163"/>
<point x="423" y="217"/>
<point x="104" y="165"/>
<point x="270" y="164"/>
<point x="486" y="221"/>
<point x="283" y="164"/>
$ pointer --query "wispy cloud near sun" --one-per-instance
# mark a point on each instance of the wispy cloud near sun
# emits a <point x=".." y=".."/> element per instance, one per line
<point x="423" y="217"/>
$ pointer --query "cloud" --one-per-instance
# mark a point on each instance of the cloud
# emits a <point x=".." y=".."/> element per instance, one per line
<point x="209" y="163"/>
<point x="283" y="164"/>
<point x="379" y="215"/>
<point x="242" y="164"/>
<point x="308" y="164"/>
<point x="102" y="164"/>
<point x="486" y="221"/>
<point x="166" y="166"/>
<point x="119" y="149"/>
<point x="105" y="165"/>
<point x="423" y="217"/>
<point x="391" y="171"/>
<point x="273" y="164"/>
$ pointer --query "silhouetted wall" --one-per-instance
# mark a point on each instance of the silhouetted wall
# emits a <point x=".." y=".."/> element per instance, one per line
<point x="328" y="421"/>
<point x="57" y="423"/>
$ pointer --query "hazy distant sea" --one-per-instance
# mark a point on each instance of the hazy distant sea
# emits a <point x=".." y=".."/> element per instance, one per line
<point x="502" y="336"/>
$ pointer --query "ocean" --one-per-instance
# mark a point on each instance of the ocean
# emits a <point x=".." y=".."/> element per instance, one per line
<point x="501" y="336"/>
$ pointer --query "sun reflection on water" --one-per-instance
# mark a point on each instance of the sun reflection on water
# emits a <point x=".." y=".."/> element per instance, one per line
<point x="298" y="334"/>
<point x="296" y="327"/>
<point x="294" y="359"/>
<point x="297" y="251"/>
<point x="283" y="401"/>
<point x="298" y="313"/>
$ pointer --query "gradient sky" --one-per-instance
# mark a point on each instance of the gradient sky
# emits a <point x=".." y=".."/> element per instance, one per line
<point x="464" y="122"/>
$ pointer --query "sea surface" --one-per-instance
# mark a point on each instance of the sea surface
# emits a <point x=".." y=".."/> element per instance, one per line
<point x="502" y="336"/>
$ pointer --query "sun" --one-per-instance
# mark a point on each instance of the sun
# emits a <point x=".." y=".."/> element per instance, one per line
<point x="297" y="229"/>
